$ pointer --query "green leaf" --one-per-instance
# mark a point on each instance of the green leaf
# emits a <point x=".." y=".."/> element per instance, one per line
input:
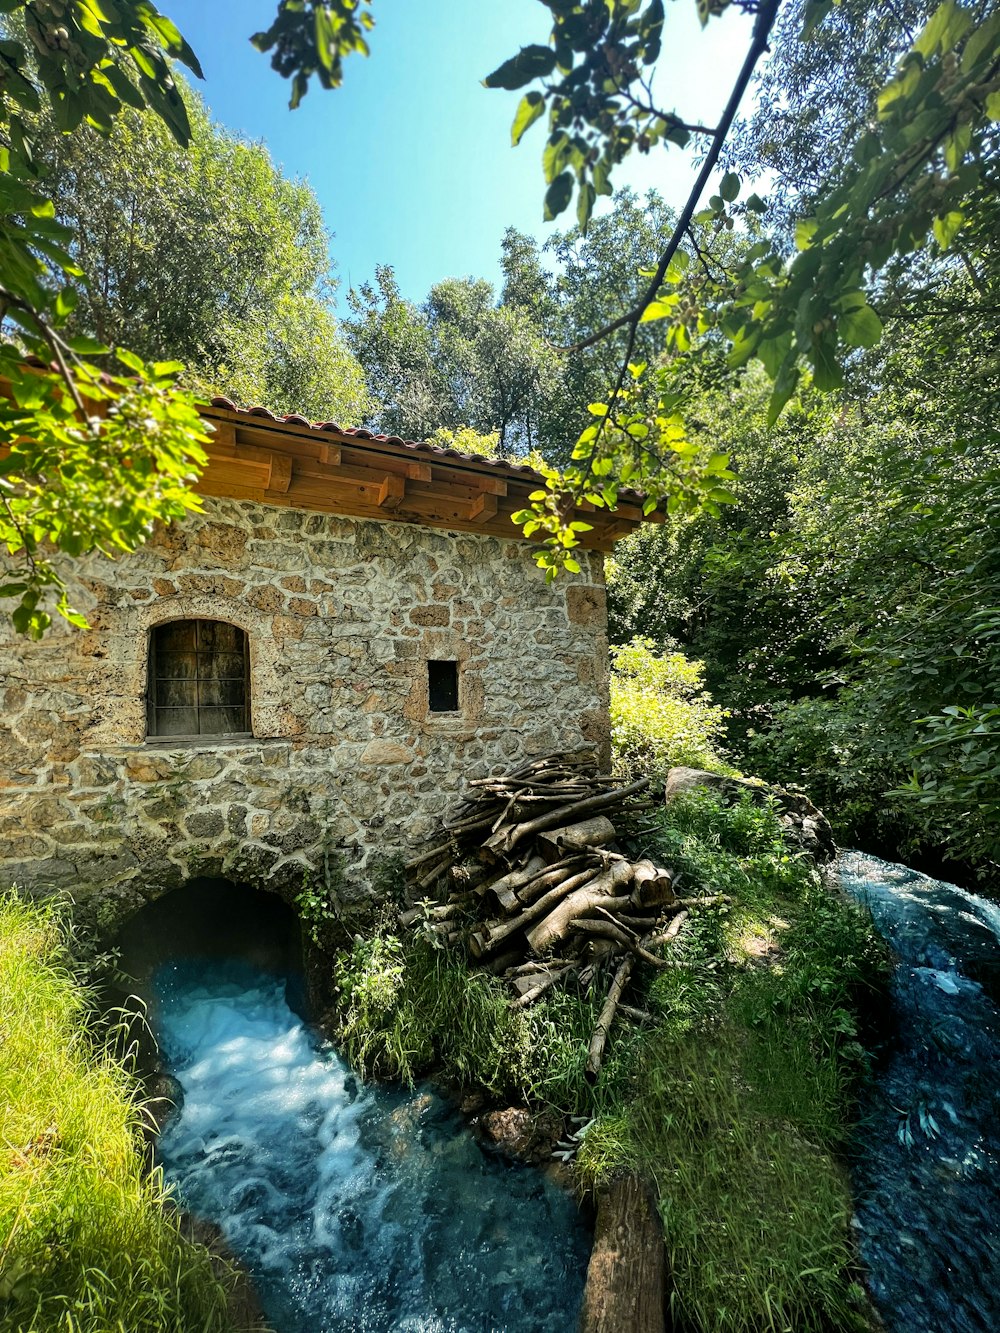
<point x="657" y="310"/>
<point x="558" y="195"/>
<point x="943" y="29"/>
<point x="805" y="230"/>
<point x="530" y="108"/>
<point x="860" y="327"/>
<point x="730" y="187"/>
<point x="947" y="228"/>
<point x="585" y="199"/>
<point x="531" y="62"/>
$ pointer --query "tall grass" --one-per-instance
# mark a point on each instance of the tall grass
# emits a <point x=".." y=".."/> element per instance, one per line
<point x="86" y="1245"/>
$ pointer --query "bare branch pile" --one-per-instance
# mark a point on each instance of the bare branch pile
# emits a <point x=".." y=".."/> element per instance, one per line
<point x="530" y="880"/>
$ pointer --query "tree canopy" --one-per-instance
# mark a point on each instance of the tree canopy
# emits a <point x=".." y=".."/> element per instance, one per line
<point x="206" y="255"/>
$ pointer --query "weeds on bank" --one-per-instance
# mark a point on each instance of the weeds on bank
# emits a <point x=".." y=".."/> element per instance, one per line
<point x="734" y="1101"/>
<point x="85" y="1243"/>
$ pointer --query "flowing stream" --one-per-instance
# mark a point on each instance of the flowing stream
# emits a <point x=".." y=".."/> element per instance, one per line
<point x="926" y="1181"/>
<point x="354" y="1208"/>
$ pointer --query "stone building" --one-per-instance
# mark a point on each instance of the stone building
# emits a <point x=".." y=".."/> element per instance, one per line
<point x="297" y="681"/>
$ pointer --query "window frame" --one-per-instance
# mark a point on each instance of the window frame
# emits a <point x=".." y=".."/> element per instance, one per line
<point x="199" y="737"/>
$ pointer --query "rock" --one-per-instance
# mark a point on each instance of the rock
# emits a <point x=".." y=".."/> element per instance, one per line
<point x="518" y="1133"/>
<point x="385" y="752"/>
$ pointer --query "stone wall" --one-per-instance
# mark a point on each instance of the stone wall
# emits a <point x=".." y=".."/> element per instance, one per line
<point x="346" y="764"/>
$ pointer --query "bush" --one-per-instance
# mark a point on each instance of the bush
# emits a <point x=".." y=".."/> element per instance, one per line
<point x="660" y="713"/>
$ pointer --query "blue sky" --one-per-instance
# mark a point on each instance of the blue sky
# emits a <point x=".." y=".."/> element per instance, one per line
<point x="411" y="158"/>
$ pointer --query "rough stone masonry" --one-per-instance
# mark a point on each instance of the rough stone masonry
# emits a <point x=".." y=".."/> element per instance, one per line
<point x="346" y="763"/>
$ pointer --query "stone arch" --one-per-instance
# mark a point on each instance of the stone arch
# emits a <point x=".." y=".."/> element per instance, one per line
<point x="211" y="917"/>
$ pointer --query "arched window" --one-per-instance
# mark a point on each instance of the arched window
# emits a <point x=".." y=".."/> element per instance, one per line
<point x="199" y="680"/>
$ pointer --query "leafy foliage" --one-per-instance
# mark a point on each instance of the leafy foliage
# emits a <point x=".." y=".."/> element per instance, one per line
<point x="660" y="713"/>
<point x="86" y="470"/>
<point x="206" y="255"/>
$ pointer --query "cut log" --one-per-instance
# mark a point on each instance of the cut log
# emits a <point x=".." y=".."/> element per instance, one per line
<point x="493" y="933"/>
<point x="670" y="933"/>
<point x="544" y="984"/>
<point x="595" y="1054"/>
<point x="425" y="880"/>
<point x="653" y="886"/>
<point x="579" y="903"/>
<point x="594" y="832"/>
<point x="503" y="888"/>
<point x="434" y="852"/>
<point x="414" y="914"/>
<point x="561" y="874"/>
<point x="638" y="1015"/>
<point x="608" y="930"/>
<point x="627" y="1276"/>
<point x="504" y="841"/>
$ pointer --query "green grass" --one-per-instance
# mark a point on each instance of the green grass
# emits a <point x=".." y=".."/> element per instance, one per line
<point x="86" y="1245"/>
<point x="736" y="1102"/>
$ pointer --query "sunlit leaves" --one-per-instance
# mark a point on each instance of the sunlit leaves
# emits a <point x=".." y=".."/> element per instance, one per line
<point x="592" y="73"/>
<point x="76" y="481"/>
<point x="532" y="106"/>
<point x="636" y="452"/>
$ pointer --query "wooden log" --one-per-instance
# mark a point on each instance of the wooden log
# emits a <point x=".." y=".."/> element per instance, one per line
<point x="546" y="983"/>
<point x="653" y="885"/>
<point x="503" y="842"/>
<point x="627" y="1276"/>
<point x="503" y="962"/>
<point x="436" y="871"/>
<point x="523" y="984"/>
<point x="638" y="1015"/>
<point x="580" y="902"/>
<point x="441" y="913"/>
<point x="593" y="832"/>
<point x="467" y="876"/>
<point x="670" y="933"/>
<point x="437" y="851"/>
<point x="595" y="1053"/>
<point x="503" y="888"/>
<point x="560" y="873"/>
<point x="493" y="933"/>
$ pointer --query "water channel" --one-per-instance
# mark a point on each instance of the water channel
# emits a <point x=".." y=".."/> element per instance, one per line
<point x="354" y="1207"/>
<point x="926" y="1175"/>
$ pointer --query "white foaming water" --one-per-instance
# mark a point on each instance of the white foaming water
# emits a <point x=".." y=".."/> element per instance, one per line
<point x="355" y="1208"/>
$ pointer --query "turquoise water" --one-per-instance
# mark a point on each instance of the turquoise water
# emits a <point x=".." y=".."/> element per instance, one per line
<point x="927" y="1173"/>
<point x="354" y="1207"/>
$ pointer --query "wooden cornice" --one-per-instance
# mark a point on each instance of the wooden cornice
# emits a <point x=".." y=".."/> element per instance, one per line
<point x="299" y="466"/>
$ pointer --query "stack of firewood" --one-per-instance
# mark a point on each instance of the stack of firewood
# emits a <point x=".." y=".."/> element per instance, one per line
<point x="531" y="882"/>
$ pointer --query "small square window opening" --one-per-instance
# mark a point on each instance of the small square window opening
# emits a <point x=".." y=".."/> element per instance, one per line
<point x="442" y="686"/>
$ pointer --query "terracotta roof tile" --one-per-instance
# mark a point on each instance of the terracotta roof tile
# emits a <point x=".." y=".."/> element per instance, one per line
<point x="360" y="433"/>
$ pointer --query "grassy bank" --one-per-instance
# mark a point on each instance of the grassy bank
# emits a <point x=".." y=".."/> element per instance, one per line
<point x="737" y="1098"/>
<point x="85" y="1244"/>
